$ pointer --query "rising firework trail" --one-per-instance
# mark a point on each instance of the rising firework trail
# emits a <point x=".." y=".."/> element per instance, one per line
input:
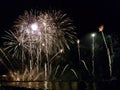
<point x="78" y="46"/>
<point x="108" y="51"/>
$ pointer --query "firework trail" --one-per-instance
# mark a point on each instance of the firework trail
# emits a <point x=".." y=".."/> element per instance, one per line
<point x="74" y="73"/>
<point x="56" y="70"/>
<point x="108" y="51"/>
<point x="64" y="69"/>
<point x="78" y="45"/>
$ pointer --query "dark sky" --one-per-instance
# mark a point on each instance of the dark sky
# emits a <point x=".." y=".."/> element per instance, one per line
<point x="86" y="14"/>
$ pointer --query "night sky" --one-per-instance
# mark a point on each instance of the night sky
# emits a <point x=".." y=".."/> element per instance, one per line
<point x="86" y="14"/>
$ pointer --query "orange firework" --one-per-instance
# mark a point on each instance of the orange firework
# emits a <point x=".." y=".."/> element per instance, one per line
<point x="101" y="27"/>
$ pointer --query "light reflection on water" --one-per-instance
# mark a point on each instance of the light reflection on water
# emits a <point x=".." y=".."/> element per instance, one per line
<point x="44" y="85"/>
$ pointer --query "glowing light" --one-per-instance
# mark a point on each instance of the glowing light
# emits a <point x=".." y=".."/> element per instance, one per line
<point x="43" y="44"/>
<point x="44" y="23"/>
<point x="61" y="50"/>
<point x="4" y="75"/>
<point x="18" y="79"/>
<point x="34" y="26"/>
<point x="78" y="41"/>
<point x="93" y="34"/>
<point x="101" y="28"/>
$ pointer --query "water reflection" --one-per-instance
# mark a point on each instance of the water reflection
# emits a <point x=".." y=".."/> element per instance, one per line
<point x="45" y="85"/>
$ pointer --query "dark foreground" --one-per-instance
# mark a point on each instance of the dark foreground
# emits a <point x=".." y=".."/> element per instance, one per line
<point x="101" y="85"/>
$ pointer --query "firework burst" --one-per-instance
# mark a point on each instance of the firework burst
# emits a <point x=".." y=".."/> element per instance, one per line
<point x="38" y="35"/>
<point x="48" y="29"/>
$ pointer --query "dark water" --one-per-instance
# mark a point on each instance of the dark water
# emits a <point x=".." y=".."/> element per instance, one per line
<point x="106" y="85"/>
<point x="43" y="86"/>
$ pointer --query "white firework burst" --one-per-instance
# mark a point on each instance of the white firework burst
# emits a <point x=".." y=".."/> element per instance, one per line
<point x="38" y="35"/>
<point x="53" y="29"/>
